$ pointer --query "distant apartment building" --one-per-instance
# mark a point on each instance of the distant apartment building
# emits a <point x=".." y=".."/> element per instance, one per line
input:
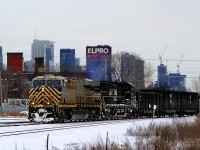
<point x="27" y="66"/>
<point x="77" y="62"/>
<point x="1" y="58"/>
<point x="15" y="62"/>
<point x="139" y="73"/>
<point x="177" y="82"/>
<point x="127" y="67"/>
<point x="98" y="62"/>
<point x="45" y="49"/>
<point x="132" y="70"/>
<point x="67" y="60"/>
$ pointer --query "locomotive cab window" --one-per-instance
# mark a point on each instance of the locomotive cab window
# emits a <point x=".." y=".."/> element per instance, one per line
<point x="53" y="82"/>
<point x="38" y="82"/>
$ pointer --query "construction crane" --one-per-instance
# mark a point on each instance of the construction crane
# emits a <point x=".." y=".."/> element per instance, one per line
<point x="178" y="65"/>
<point x="160" y="56"/>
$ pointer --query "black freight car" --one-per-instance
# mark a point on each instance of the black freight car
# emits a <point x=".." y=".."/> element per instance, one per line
<point x="170" y="102"/>
<point x="147" y="102"/>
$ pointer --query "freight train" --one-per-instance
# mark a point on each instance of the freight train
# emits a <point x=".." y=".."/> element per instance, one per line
<point x="57" y="99"/>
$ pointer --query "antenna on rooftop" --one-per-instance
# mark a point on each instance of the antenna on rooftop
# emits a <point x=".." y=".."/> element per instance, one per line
<point x="160" y="56"/>
<point x="178" y="65"/>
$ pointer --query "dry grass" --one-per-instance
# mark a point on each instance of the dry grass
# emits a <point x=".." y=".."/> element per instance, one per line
<point x="180" y="135"/>
<point x="176" y="136"/>
<point x="100" y="145"/>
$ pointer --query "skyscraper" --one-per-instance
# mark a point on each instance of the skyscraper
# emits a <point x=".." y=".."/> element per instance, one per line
<point x="67" y="60"/>
<point x="1" y="58"/>
<point x="45" y="49"/>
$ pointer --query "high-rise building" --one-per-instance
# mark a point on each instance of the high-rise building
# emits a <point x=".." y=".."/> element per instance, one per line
<point x="45" y="49"/>
<point x="67" y="60"/>
<point x="27" y="66"/>
<point x="132" y="70"/>
<point x="127" y="67"/>
<point x="162" y="76"/>
<point x="15" y="62"/>
<point x="139" y="73"/>
<point x="1" y="58"/>
<point x="98" y="62"/>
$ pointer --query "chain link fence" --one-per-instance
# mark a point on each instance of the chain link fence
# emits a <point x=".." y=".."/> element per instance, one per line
<point x="14" y="105"/>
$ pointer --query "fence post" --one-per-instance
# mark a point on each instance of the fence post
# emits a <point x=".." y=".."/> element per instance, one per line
<point x="107" y="141"/>
<point x="48" y="142"/>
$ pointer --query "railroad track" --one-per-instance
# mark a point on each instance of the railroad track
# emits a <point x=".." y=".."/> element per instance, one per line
<point x="10" y="124"/>
<point x="63" y="127"/>
<point x="26" y="123"/>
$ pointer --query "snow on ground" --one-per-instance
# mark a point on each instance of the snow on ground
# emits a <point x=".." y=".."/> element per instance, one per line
<point x="13" y="119"/>
<point x="60" y="138"/>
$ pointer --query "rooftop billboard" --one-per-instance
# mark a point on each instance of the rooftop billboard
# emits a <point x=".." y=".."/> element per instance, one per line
<point x="98" y="60"/>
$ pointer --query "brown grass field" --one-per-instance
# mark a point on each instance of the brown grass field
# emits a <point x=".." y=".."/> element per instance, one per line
<point x="180" y="135"/>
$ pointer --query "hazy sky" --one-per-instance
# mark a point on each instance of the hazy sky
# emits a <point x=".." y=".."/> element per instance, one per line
<point x="140" y="26"/>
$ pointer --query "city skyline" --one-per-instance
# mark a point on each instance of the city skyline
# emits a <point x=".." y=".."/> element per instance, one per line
<point x="143" y="27"/>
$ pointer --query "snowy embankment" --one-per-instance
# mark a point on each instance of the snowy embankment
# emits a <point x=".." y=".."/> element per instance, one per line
<point x="64" y="138"/>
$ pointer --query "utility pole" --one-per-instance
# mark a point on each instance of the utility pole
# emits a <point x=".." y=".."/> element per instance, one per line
<point x="1" y="93"/>
<point x="106" y="69"/>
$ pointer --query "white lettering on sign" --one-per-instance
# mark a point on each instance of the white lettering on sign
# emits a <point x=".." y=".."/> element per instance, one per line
<point x="98" y="50"/>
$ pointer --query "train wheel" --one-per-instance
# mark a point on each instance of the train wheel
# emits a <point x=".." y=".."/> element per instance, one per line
<point x="33" y="118"/>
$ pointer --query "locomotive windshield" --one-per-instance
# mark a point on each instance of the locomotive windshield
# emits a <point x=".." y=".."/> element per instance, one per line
<point x="53" y="82"/>
<point x="38" y="82"/>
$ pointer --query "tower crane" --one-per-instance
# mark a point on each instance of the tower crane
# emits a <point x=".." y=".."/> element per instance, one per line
<point x="178" y="65"/>
<point x="160" y="56"/>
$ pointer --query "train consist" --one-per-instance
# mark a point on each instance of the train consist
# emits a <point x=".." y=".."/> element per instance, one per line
<point x="56" y="99"/>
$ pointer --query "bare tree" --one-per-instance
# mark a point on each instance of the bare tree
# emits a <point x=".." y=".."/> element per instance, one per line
<point x="130" y="73"/>
<point x="116" y="66"/>
<point x="195" y="85"/>
<point x="56" y="68"/>
<point x="148" y="73"/>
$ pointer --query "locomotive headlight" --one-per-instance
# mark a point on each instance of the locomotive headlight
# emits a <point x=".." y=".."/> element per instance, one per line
<point x="33" y="103"/>
<point x="48" y="103"/>
<point x="42" y="89"/>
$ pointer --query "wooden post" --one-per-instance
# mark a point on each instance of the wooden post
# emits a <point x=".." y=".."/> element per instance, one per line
<point x="107" y="141"/>
<point x="48" y="142"/>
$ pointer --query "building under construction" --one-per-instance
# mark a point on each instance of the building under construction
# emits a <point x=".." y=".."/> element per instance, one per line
<point x="174" y="81"/>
